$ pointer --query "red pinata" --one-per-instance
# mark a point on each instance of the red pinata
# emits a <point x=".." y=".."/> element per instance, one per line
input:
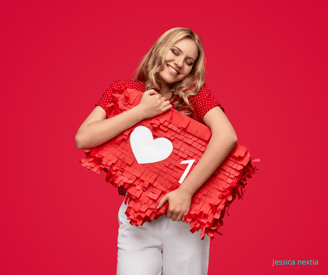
<point x="150" y="159"/>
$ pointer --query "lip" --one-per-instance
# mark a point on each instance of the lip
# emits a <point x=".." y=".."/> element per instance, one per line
<point x="173" y="69"/>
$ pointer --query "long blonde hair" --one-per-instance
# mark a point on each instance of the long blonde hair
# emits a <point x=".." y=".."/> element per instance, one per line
<point x="153" y="62"/>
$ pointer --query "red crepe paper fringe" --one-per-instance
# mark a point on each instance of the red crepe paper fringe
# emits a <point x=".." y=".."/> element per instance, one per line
<point x="146" y="184"/>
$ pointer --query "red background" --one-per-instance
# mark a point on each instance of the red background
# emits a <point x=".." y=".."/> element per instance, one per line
<point x="266" y="65"/>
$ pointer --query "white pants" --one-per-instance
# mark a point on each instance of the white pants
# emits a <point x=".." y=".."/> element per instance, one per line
<point x="160" y="247"/>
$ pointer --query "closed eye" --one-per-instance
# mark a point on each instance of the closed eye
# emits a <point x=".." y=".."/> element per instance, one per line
<point x="175" y="52"/>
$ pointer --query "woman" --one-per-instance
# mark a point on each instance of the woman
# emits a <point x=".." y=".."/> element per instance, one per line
<point x="171" y="75"/>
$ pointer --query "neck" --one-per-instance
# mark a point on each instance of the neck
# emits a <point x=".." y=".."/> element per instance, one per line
<point x="164" y="88"/>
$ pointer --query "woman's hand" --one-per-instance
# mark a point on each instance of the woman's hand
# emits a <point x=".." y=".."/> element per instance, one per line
<point x="179" y="204"/>
<point x="153" y="104"/>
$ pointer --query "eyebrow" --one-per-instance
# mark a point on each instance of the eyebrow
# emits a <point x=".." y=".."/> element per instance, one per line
<point x="182" y="52"/>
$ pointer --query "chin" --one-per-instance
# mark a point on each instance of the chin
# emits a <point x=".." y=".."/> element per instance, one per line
<point x="167" y="79"/>
<point x="170" y="80"/>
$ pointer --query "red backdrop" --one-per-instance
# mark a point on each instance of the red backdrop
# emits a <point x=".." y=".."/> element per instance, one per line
<point x="266" y="65"/>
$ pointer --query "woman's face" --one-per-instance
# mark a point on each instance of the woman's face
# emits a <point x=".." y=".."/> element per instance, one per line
<point x="179" y="61"/>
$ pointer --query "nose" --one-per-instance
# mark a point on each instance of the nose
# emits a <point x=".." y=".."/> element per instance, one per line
<point x="179" y="61"/>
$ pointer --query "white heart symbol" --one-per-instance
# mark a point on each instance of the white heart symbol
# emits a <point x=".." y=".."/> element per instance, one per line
<point x="149" y="150"/>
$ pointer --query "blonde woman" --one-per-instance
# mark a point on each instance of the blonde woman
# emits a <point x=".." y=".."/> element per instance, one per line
<point x="171" y="75"/>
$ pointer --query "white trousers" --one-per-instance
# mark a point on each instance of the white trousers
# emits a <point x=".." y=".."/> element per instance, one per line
<point x="160" y="247"/>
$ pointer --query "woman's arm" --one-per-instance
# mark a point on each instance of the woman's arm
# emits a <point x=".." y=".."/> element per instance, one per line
<point x="222" y="141"/>
<point x="96" y="129"/>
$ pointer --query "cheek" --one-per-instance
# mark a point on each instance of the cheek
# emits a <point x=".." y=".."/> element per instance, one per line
<point x="187" y="70"/>
<point x="169" y="56"/>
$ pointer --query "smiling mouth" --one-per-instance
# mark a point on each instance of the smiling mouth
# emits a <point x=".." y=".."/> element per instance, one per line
<point x="172" y="71"/>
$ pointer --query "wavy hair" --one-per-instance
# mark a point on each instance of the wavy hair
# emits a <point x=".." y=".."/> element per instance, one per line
<point x="153" y="62"/>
